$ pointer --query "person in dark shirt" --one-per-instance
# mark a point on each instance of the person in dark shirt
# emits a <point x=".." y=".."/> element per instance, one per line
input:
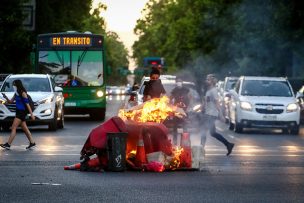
<point x="22" y="103"/>
<point x="154" y="87"/>
<point x="180" y="95"/>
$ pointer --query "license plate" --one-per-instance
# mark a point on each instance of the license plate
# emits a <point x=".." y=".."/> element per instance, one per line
<point x="70" y="104"/>
<point x="269" y="118"/>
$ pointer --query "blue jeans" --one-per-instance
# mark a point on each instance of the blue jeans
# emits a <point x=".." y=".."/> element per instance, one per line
<point x="209" y="124"/>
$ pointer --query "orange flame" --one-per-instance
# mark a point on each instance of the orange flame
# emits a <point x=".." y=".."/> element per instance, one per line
<point x="154" y="110"/>
<point x="174" y="161"/>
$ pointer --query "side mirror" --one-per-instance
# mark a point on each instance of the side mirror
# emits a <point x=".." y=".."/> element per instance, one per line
<point x="58" y="89"/>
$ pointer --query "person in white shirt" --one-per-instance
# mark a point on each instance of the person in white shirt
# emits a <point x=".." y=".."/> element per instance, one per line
<point x="212" y="113"/>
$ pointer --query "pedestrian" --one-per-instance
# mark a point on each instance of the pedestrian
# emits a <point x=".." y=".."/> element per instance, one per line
<point x="211" y="109"/>
<point x="154" y="87"/>
<point x="180" y="97"/>
<point x="22" y="105"/>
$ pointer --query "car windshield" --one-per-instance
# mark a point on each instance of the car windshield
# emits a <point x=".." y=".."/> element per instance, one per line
<point x="30" y="84"/>
<point x="230" y="84"/>
<point x="266" y="88"/>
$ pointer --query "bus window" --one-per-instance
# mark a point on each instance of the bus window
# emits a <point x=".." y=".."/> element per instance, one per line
<point x="54" y="62"/>
<point x="87" y="66"/>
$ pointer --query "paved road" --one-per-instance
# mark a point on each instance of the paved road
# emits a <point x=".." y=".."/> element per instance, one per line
<point x="265" y="166"/>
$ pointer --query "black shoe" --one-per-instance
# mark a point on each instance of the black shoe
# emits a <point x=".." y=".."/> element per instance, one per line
<point x="229" y="148"/>
<point x="5" y="146"/>
<point x="31" y="145"/>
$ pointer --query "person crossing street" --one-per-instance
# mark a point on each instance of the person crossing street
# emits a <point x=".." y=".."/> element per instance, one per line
<point x="22" y="108"/>
<point x="212" y="113"/>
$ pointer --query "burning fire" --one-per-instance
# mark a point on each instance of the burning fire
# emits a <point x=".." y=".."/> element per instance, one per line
<point x="174" y="161"/>
<point x="154" y="110"/>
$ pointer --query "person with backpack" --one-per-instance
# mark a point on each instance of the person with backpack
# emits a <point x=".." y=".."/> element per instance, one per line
<point x="23" y="107"/>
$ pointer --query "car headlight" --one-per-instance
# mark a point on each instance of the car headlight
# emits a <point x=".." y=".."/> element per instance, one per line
<point x="46" y="100"/>
<point x="2" y="101"/>
<point x="246" y="106"/>
<point x="291" y="107"/>
<point x="226" y="99"/>
<point x="99" y="93"/>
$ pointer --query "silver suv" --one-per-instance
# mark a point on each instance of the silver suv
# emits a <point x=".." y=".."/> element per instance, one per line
<point x="47" y="98"/>
<point x="263" y="102"/>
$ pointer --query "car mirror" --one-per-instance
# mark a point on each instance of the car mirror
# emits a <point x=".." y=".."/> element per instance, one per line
<point x="299" y="95"/>
<point x="58" y="89"/>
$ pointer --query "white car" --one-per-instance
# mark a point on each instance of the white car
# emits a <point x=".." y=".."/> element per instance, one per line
<point x="263" y="102"/>
<point x="166" y="79"/>
<point x="47" y="97"/>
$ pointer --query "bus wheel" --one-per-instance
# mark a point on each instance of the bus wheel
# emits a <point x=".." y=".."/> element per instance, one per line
<point x="98" y="115"/>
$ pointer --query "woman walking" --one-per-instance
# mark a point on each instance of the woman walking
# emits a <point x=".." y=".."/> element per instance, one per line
<point x="22" y="108"/>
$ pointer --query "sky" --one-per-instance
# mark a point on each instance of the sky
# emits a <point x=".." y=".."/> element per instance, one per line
<point x="121" y="17"/>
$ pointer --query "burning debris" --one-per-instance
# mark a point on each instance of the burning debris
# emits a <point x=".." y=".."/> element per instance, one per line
<point x="154" y="110"/>
<point x="146" y="147"/>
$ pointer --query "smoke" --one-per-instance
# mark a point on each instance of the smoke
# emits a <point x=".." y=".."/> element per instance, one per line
<point x="251" y="39"/>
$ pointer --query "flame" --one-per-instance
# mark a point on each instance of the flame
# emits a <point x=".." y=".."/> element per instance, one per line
<point x="154" y="110"/>
<point x="174" y="160"/>
<point x="131" y="154"/>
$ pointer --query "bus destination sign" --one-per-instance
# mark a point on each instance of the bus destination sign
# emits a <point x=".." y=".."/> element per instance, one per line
<point x="71" y="41"/>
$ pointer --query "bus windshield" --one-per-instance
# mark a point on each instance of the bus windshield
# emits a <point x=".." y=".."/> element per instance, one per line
<point x="73" y="68"/>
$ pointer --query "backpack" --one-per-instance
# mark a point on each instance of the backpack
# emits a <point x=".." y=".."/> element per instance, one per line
<point x="31" y="103"/>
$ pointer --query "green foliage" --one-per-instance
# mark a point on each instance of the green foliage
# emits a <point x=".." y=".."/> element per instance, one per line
<point x="223" y="36"/>
<point x="14" y="41"/>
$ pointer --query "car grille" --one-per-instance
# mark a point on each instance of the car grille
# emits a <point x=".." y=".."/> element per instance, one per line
<point x="12" y="107"/>
<point x="266" y="111"/>
<point x="269" y="108"/>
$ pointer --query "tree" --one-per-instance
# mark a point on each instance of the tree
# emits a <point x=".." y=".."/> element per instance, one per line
<point x="14" y="41"/>
<point x="223" y="36"/>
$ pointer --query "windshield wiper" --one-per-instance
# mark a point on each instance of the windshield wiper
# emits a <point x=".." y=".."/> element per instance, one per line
<point x="80" y="59"/>
<point x="61" y="59"/>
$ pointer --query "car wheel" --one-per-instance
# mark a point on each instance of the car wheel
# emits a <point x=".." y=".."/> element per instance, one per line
<point x="53" y="123"/>
<point x="285" y="131"/>
<point x="231" y="125"/>
<point x="238" y="128"/>
<point x="295" y="130"/>
<point x="60" y="123"/>
<point x="5" y="127"/>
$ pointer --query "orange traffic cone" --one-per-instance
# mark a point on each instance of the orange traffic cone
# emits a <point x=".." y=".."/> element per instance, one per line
<point x="91" y="165"/>
<point x="93" y="162"/>
<point x="72" y="167"/>
<point x="185" y="157"/>
<point x="140" y="157"/>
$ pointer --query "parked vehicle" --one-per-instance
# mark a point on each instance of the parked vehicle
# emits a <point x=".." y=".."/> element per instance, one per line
<point x="114" y="90"/>
<point x="166" y="80"/>
<point x="47" y="97"/>
<point x="2" y="78"/>
<point x="264" y="102"/>
<point x="224" y="89"/>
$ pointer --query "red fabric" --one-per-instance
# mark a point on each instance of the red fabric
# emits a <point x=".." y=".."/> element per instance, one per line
<point x="98" y="136"/>
<point x="155" y="166"/>
<point x="155" y="137"/>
